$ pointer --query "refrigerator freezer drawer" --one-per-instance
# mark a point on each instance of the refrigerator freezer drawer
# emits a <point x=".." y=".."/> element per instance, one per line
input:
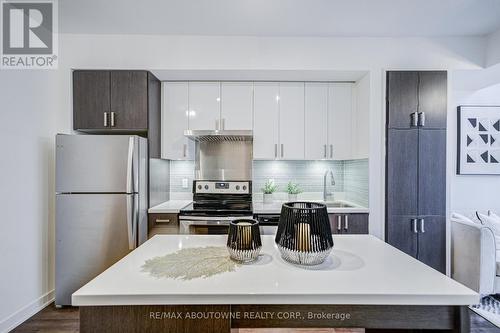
<point x="92" y="233"/>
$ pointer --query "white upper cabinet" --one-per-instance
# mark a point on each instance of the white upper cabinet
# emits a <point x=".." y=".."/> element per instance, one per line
<point x="236" y="105"/>
<point x="291" y="121"/>
<point x="340" y="121"/>
<point x="266" y="120"/>
<point x="174" y="121"/>
<point x="316" y="125"/>
<point x="204" y="105"/>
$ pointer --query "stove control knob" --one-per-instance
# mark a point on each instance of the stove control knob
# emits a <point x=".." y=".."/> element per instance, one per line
<point x="199" y="187"/>
<point x="206" y="187"/>
<point x="237" y="187"/>
<point x="244" y="187"/>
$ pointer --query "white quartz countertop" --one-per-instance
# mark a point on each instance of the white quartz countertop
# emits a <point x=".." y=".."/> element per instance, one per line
<point x="275" y="207"/>
<point x="171" y="206"/>
<point x="360" y="270"/>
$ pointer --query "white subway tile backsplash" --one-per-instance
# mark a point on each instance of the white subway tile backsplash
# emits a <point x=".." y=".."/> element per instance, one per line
<point x="351" y="176"/>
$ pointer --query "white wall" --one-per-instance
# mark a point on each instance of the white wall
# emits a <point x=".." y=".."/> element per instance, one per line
<point x="35" y="105"/>
<point x="493" y="48"/>
<point x="471" y="192"/>
<point x="29" y="105"/>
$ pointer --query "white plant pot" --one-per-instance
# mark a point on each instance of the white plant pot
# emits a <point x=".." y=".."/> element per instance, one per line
<point x="268" y="198"/>
<point x="292" y="197"/>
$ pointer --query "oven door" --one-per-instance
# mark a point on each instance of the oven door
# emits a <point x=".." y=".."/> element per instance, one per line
<point x="206" y="225"/>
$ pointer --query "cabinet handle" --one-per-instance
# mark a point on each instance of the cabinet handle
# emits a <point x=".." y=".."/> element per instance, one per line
<point x="422" y="225"/>
<point x="339" y="223"/>
<point x="184" y="148"/>
<point x="421" y="119"/>
<point x="331" y="151"/>
<point x="325" y="151"/>
<point x="414" y="119"/>
<point x="346" y="225"/>
<point x="282" y="145"/>
<point x="216" y="124"/>
<point x="414" y="225"/>
<point x="105" y="119"/>
<point x="223" y="123"/>
<point x="275" y="150"/>
<point x="162" y="220"/>
<point x="112" y="119"/>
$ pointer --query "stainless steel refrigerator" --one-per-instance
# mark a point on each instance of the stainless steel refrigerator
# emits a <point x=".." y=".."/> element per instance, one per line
<point x="101" y="205"/>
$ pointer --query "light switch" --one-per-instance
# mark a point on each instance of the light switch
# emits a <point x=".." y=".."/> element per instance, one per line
<point x="184" y="183"/>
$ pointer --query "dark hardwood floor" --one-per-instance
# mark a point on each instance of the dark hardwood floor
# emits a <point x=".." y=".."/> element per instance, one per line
<point x="50" y="319"/>
<point x="66" y="320"/>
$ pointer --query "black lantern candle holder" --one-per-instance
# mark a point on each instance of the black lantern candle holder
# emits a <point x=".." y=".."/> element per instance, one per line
<point x="304" y="235"/>
<point x="243" y="241"/>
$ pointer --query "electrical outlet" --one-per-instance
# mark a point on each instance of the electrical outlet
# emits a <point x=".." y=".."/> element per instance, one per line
<point x="184" y="183"/>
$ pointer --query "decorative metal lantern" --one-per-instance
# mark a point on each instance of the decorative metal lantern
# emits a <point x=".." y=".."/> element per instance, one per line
<point x="304" y="235"/>
<point x="243" y="241"/>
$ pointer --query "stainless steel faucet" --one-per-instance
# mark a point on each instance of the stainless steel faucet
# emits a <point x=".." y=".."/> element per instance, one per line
<point x="326" y="194"/>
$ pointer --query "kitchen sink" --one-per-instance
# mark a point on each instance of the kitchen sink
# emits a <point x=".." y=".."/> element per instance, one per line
<point x="338" y="204"/>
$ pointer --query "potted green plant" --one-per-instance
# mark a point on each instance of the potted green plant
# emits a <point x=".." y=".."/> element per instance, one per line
<point x="268" y="189"/>
<point x="293" y="189"/>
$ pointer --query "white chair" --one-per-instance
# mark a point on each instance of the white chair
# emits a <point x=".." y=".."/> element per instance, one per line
<point x="475" y="260"/>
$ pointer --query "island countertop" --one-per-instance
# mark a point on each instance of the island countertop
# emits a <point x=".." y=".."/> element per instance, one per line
<point x="360" y="270"/>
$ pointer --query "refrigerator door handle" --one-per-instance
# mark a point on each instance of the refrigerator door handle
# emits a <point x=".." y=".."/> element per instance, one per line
<point x="131" y="221"/>
<point x="130" y="164"/>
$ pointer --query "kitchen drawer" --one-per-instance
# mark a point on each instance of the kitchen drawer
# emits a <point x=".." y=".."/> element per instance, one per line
<point x="163" y="224"/>
<point x="349" y="223"/>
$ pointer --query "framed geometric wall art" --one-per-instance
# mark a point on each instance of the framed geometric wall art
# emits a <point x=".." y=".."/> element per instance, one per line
<point x="478" y="145"/>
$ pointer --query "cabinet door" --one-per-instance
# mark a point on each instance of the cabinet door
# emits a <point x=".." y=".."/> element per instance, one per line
<point x="175" y="145"/>
<point x="129" y="100"/>
<point x="355" y="224"/>
<point x="291" y="122"/>
<point x="336" y="221"/>
<point x="432" y="242"/>
<point x="340" y="121"/>
<point x="402" y="98"/>
<point x="316" y="110"/>
<point x="402" y="172"/>
<point x="401" y="233"/>
<point x="91" y="100"/>
<point x="204" y="105"/>
<point x="433" y="98"/>
<point x="266" y="120"/>
<point x="237" y="105"/>
<point x="432" y="172"/>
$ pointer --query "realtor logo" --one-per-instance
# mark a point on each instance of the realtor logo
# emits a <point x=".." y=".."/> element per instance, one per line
<point x="29" y="36"/>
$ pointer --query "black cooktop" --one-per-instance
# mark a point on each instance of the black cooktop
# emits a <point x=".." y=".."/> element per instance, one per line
<point x="218" y="208"/>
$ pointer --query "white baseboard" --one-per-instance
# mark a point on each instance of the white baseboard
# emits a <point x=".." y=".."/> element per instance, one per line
<point x="26" y="312"/>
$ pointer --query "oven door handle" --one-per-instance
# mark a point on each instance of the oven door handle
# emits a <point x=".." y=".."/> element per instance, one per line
<point x="211" y="218"/>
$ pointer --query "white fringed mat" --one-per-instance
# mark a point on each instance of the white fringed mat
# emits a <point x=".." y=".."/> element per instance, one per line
<point x="191" y="263"/>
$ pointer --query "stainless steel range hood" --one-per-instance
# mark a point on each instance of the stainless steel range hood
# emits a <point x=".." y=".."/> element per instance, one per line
<point x="219" y="135"/>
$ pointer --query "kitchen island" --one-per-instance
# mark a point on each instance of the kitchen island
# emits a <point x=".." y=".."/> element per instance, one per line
<point x="364" y="283"/>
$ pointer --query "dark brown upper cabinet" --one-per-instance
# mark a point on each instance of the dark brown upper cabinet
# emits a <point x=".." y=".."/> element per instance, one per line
<point x="416" y="99"/>
<point x="129" y="100"/>
<point x="91" y="100"/>
<point x="118" y="101"/>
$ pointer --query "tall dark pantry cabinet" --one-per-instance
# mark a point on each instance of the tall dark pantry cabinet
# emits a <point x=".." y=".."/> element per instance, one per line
<point x="416" y="164"/>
